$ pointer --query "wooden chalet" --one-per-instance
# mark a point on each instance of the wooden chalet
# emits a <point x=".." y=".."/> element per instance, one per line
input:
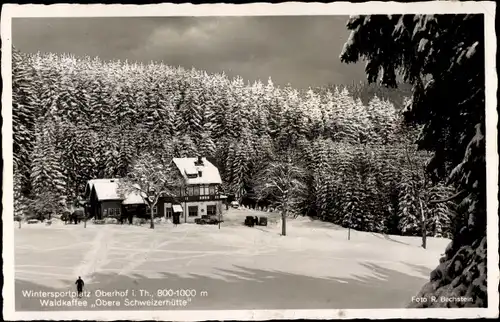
<point x="201" y="195"/>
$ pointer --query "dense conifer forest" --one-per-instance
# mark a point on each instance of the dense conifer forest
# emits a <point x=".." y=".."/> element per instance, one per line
<point x="79" y="119"/>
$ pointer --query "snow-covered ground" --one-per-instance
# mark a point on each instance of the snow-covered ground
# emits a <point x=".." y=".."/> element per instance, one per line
<point x="238" y="267"/>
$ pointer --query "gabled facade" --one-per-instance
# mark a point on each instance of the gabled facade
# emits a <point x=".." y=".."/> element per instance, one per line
<point x="202" y="192"/>
<point x="104" y="201"/>
<point x="200" y="196"/>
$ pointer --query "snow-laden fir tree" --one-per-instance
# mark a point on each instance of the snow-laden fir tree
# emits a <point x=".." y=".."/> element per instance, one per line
<point x="442" y="56"/>
<point x="48" y="180"/>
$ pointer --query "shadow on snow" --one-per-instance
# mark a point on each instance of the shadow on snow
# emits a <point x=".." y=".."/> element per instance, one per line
<point x="244" y="288"/>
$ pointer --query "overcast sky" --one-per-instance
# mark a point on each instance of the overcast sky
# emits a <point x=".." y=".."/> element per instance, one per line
<point x="302" y="50"/>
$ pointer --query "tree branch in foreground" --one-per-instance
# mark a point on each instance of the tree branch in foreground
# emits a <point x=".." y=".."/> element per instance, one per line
<point x="447" y="199"/>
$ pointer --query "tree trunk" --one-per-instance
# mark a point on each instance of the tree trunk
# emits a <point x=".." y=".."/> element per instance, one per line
<point x="349" y="228"/>
<point x="283" y="223"/>
<point x="424" y="226"/>
<point x="152" y="226"/>
<point x="219" y="212"/>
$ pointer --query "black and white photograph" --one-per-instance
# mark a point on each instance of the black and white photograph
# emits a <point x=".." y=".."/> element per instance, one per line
<point x="250" y="162"/>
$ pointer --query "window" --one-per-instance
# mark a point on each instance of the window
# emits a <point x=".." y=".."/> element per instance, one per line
<point x="189" y="191"/>
<point x="196" y="190"/>
<point x="155" y="211"/>
<point x="113" y="212"/>
<point x="212" y="190"/>
<point x="193" y="211"/>
<point x="211" y="210"/>
<point x="168" y="210"/>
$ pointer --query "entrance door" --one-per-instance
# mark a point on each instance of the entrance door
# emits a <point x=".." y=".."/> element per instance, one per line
<point x="168" y="211"/>
<point x="99" y="212"/>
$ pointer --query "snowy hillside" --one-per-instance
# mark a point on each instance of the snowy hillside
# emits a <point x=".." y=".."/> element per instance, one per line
<point x="315" y="258"/>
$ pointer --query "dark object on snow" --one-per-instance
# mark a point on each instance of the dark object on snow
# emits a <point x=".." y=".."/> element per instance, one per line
<point x="199" y="221"/>
<point x="66" y="216"/>
<point x="36" y="216"/>
<point x="176" y="218"/>
<point x="213" y="220"/>
<point x="263" y="221"/>
<point x="79" y="286"/>
<point x="249" y="221"/>
<point x="130" y="217"/>
<point x="207" y="220"/>
<point x="75" y="217"/>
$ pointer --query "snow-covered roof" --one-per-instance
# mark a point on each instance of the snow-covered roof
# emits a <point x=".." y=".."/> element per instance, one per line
<point x="209" y="173"/>
<point x="107" y="189"/>
<point x="94" y="181"/>
<point x="91" y="183"/>
<point x="133" y="198"/>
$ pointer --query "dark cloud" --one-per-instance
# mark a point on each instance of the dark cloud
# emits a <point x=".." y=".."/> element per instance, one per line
<point x="301" y="50"/>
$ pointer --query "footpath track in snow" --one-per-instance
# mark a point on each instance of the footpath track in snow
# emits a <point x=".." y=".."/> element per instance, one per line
<point x="314" y="266"/>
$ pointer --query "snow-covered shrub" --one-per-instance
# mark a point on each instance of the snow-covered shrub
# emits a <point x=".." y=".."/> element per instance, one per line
<point x="110" y="221"/>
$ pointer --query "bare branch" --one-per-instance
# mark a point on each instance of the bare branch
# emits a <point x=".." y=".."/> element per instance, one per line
<point x="447" y="199"/>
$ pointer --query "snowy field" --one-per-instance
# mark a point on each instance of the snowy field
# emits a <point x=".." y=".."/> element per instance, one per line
<point x="235" y="267"/>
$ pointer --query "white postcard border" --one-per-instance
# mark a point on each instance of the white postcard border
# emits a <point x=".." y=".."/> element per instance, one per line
<point x="257" y="9"/>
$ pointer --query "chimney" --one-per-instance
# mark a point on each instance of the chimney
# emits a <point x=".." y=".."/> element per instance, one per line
<point x="199" y="173"/>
